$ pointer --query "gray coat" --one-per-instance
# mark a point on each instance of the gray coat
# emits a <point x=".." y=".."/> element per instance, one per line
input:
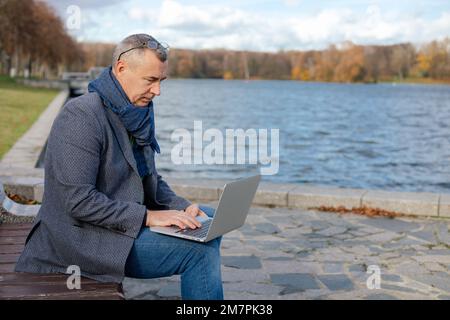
<point x="94" y="199"/>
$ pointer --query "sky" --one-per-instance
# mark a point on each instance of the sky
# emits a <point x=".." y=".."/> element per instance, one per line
<point x="264" y="25"/>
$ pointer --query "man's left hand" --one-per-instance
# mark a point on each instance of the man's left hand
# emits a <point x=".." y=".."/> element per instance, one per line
<point x="193" y="210"/>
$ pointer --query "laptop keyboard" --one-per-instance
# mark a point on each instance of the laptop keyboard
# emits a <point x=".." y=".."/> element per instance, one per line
<point x="199" y="232"/>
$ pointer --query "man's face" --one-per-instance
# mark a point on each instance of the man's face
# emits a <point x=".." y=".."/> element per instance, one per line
<point x="141" y="80"/>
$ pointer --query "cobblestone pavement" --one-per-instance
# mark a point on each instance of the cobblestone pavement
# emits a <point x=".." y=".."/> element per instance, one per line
<point x="295" y="254"/>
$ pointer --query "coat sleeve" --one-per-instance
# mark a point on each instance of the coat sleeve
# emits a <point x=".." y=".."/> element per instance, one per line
<point x="74" y="152"/>
<point x="166" y="196"/>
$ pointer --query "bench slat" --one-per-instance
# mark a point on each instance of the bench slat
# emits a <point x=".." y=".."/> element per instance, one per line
<point x="15" y="226"/>
<point x="11" y="248"/>
<point x="7" y="267"/>
<point x="9" y="258"/>
<point x="12" y="240"/>
<point x="39" y="278"/>
<point x="50" y="291"/>
<point x="14" y="232"/>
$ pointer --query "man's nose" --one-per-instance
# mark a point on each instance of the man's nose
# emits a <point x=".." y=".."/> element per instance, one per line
<point x="156" y="89"/>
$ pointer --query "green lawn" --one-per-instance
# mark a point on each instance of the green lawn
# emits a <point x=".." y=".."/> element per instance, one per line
<point x="20" y="106"/>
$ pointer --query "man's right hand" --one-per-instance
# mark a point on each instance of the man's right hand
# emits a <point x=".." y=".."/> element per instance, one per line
<point x="167" y="218"/>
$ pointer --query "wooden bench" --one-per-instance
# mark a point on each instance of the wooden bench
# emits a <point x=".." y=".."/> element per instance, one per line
<point x="18" y="285"/>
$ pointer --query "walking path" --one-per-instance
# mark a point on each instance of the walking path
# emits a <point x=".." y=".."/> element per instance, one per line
<point x="283" y="253"/>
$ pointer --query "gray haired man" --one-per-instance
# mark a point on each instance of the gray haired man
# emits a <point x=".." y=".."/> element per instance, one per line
<point x="102" y="190"/>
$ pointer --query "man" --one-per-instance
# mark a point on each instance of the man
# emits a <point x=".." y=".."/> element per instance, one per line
<point x="102" y="190"/>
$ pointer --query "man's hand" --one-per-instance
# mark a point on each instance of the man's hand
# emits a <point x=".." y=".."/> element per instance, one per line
<point x="193" y="210"/>
<point x="167" y="218"/>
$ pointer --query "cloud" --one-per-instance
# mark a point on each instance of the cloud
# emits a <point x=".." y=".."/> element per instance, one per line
<point x="81" y="3"/>
<point x="372" y="27"/>
<point x="217" y="19"/>
<point x="218" y="25"/>
<point x="291" y="3"/>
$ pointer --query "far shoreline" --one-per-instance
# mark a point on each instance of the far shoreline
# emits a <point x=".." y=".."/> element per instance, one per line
<point x="393" y="81"/>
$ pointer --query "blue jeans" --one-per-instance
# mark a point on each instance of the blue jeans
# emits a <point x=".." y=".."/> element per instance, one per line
<point x="155" y="255"/>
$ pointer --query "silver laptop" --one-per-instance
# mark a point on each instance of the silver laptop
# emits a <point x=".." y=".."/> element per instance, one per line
<point x="234" y="204"/>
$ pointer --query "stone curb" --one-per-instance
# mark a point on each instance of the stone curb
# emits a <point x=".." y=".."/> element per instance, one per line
<point x="281" y="195"/>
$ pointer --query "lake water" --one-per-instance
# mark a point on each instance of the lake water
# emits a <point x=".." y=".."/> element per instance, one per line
<point x="383" y="136"/>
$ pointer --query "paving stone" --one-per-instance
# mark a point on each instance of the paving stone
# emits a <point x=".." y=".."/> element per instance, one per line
<point x="254" y="288"/>
<point x="358" y="233"/>
<point x="395" y="225"/>
<point x="441" y="252"/>
<point x="357" y="268"/>
<point x="312" y="267"/>
<point x="226" y="243"/>
<point x="303" y="254"/>
<point x="380" y="296"/>
<point x="343" y="237"/>
<point x="314" y="235"/>
<point x="266" y="245"/>
<point x="408" y="241"/>
<point x="302" y="242"/>
<point x="170" y="290"/>
<point x="138" y="288"/>
<point x="333" y="267"/>
<point x="425" y="235"/>
<point x="250" y="232"/>
<point x="444" y="232"/>
<point x="318" y="244"/>
<point x="300" y="281"/>
<point x="433" y="258"/>
<point x="267" y="228"/>
<point x="233" y="275"/>
<point x="391" y="277"/>
<point x="288" y="248"/>
<point x="239" y="296"/>
<point x="395" y="288"/>
<point x="332" y="231"/>
<point x="280" y="219"/>
<point x="280" y="259"/>
<point x="242" y="262"/>
<point x="434" y="267"/>
<point x="318" y="224"/>
<point x="288" y="290"/>
<point x="440" y="282"/>
<point x="384" y="237"/>
<point x="336" y="282"/>
<point x="410" y="268"/>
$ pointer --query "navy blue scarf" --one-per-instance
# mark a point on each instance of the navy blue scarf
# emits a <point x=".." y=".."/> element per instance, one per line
<point x="139" y="121"/>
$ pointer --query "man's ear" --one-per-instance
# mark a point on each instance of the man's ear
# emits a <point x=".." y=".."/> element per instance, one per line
<point x="119" y="67"/>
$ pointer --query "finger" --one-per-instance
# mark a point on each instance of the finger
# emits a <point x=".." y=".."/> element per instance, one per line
<point x="191" y="213"/>
<point x="194" y="221"/>
<point x="194" y="213"/>
<point x="185" y="220"/>
<point x="202" y="213"/>
<point x="178" y="223"/>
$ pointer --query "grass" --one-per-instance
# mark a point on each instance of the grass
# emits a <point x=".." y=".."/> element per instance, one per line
<point x="20" y="106"/>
